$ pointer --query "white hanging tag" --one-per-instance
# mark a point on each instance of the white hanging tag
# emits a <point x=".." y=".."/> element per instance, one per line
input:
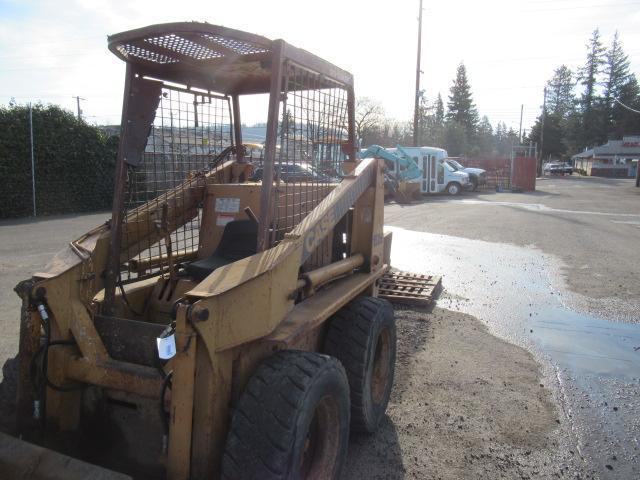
<point x="166" y="347"/>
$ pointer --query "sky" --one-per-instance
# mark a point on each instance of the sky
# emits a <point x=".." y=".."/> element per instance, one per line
<point x="51" y="51"/>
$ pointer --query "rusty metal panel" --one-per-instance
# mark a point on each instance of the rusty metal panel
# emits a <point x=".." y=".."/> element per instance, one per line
<point x="406" y="287"/>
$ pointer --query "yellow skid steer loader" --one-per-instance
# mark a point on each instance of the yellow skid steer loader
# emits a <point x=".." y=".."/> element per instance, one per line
<point x="219" y="325"/>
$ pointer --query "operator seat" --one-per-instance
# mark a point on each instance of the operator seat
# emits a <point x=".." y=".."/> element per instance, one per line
<point x="238" y="241"/>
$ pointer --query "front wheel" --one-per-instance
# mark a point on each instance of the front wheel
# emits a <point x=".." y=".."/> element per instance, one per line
<point x="291" y="422"/>
<point x="454" y="188"/>
<point x="362" y="335"/>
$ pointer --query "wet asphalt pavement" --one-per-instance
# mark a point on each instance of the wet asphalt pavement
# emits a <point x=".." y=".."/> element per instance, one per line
<point x="589" y="346"/>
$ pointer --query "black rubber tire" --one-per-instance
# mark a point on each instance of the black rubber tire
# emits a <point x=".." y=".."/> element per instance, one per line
<point x="362" y="335"/>
<point x="271" y="429"/>
<point x="459" y="188"/>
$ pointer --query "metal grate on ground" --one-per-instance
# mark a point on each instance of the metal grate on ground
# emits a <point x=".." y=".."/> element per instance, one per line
<point x="411" y="288"/>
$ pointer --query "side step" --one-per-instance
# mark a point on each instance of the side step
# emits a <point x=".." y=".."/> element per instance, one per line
<point x="410" y="288"/>
<point x="22" y="460"/>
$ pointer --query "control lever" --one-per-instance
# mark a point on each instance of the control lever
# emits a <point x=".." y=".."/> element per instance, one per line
<point x="251" y="215"/>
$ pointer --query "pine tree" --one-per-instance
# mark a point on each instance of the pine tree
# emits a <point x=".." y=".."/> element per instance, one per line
<point x="485" y="140"/>
<point x="439" y="111"/>
<point x="624" y="121"/>
<point x="431" y="121"/>
<point x="460" y="107"/>
<point x="560" y="97"/>
<point x="456" y="140"/>
<point x="425" y="117"/>
<point x="616" y="70"/>
<point x="554" y="136"/>
<point x="590" y="101"/>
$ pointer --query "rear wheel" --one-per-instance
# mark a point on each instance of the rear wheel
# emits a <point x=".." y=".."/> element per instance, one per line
<point x="362" y="335"/>
<point x="292" y="420"/>
<point x="454" y="188"/>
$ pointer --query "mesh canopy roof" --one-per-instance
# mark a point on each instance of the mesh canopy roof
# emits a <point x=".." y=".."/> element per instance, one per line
<point x="211" y="57"/>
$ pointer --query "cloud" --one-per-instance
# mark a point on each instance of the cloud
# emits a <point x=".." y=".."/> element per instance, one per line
<point x="53" y="50"/>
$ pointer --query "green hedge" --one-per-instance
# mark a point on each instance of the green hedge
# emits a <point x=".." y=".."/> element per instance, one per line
<point x="74" y="163"/>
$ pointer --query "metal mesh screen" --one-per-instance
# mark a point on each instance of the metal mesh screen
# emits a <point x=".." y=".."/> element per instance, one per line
<point x="311" y="135"/>
<point x="189" y="130"/>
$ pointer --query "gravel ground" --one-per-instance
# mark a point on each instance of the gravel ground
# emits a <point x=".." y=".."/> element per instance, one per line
<point x="465" y="405"/>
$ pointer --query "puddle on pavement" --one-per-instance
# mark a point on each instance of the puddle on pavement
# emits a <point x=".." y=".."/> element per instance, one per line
<point x="589" y="345"/>
<point x="519" y="293"/>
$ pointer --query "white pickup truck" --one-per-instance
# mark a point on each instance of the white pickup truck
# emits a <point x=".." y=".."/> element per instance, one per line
<point x="477" y="176"/>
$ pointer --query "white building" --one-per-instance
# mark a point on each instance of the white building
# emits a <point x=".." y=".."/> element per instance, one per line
<point x="616" y="158"/>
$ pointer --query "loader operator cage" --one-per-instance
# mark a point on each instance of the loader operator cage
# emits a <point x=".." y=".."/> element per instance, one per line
<point x="181" y="121"/>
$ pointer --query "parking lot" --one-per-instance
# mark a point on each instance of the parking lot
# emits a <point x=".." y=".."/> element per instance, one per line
<point x="482" y="368"/>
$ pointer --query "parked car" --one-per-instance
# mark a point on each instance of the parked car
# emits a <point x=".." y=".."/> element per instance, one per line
<point x="553" y="169"/>
<point x="477" y="176"/>
<point x="290" y="173"/>
<point x="567" y="168"/>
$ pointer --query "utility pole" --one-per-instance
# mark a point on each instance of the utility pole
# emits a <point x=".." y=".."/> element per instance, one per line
<point x="416" y="111"/>
<point x="33" y="163"/>
<point x="544" y="114"/>
<point x="78" y="104"/>
<point x="520" y="129"/>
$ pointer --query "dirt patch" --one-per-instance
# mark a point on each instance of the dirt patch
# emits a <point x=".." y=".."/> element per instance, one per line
<point x="465" y="405"/>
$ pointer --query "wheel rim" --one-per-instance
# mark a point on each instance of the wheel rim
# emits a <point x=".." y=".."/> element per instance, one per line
<point x="322" y="441"/>
<point x="381" y="368"/>
<point x="453" y="189"/>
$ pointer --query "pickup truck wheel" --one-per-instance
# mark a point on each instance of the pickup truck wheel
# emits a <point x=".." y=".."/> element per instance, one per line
<point x="292" y="420"/>
<point x="474" y="184"/>
<point x="454" y="188"/>
<point x="362" y="335"/>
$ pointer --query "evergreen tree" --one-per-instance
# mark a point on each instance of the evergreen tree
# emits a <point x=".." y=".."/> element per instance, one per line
<point x="460" y="108"/>
<point x="590" y="101"/>
<point x="554" y="145"/>
<point x="425" y="117"/>
<point x="431" y="121"/>
<point x="560" y="96"/>
<point x="616" y="70"/>
<point x="439" y="111"/>
<point x="624" y="121"/>
<point x="485" y="140"/>
<point x="456" y="140"/>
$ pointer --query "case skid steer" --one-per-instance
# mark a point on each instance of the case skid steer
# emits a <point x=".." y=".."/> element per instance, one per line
<point x="214" y="327"/>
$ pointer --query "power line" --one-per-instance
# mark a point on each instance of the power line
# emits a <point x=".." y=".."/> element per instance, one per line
<point x="581" y="7"/>
<point x="627" y="106"/>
